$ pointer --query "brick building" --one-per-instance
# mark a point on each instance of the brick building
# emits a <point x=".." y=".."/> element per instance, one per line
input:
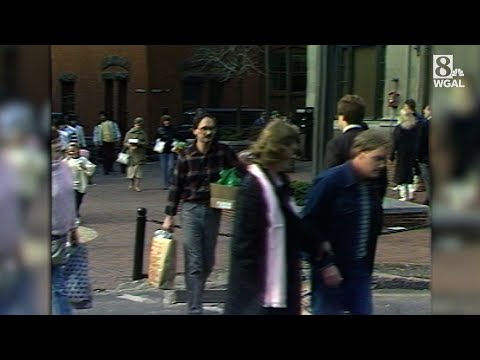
<point x="149" y="81"/>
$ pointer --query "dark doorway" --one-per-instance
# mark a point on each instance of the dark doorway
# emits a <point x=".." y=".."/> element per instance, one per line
<point x="122" y="107"/>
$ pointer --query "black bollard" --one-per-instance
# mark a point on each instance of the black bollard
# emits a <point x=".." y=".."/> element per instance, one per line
<point x="139" y="244"/>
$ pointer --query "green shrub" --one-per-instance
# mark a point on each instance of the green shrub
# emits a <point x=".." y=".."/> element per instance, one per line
<point x="300" y="190"/>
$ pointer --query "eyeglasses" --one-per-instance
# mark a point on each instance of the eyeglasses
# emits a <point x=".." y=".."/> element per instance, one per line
<point x="207" y="128"/>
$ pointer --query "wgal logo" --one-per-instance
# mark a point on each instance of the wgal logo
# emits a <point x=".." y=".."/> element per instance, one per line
<point x="444" y="75"/>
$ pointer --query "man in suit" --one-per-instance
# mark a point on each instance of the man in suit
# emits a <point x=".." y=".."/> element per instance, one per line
<point x="345" y="209"/>
<point x="350" y="112"/>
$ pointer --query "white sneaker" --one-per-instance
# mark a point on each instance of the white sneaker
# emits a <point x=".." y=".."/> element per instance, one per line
<point x="411" y="192"/>
<point x="396" y="188"/>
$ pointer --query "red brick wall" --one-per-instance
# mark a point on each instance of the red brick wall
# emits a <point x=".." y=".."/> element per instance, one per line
<point x="85" y="61"/>
<point x="165" y="72"/>
<point x="33" y="73"/>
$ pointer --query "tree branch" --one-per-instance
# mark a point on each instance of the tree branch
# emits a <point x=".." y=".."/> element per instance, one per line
<point x="228" y="61"/>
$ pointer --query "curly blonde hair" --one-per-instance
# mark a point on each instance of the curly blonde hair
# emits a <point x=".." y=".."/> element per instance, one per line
<point x="274" y="142"/>
<point x="406" y="119"/>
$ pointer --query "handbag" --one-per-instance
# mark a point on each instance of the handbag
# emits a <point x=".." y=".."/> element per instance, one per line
<point x="159" y="146"/>
<point x="123" y="158"/>
<point x="77" y="279"/>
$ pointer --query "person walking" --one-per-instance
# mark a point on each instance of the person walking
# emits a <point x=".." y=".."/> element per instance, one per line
<point x="106" y="135"/>
<point x="168" y="134"/>
<point x="82" y="169"/>
<point x="268" y="236"/>
<point x="197" y="166"/>
<point x="64" y="226"/>
<point x="135" y="144"/>
<point x="346" y="211"/>
<point x="405" y="136"/>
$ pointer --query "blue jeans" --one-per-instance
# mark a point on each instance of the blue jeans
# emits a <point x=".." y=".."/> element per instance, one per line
<point x="353" y="295"/>
<point x="200" y="224"/>
<point x="167" y="163"/>
<point x="60" y="303"/>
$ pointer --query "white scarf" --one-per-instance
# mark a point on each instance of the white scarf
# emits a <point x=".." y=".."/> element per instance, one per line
<point x="276" y="258"/>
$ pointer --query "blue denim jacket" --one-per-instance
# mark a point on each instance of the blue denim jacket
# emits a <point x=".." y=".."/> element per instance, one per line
<point x="333" y="209"/>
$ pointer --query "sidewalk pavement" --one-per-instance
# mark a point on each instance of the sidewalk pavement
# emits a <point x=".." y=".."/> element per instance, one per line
<point x="152" y="302"/>
<point x="109" y="216"/>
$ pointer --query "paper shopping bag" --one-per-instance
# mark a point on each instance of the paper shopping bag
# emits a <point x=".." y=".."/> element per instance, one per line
<point x="162" y="267"/>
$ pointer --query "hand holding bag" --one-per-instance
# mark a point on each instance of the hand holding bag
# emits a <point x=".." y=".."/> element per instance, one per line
<point x="59" y="250"/>
<point x="123" y="158"/>
<point x="159" y="146"/>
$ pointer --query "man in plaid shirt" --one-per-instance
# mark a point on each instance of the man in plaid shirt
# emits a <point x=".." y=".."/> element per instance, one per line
<point x="198" y="166"/>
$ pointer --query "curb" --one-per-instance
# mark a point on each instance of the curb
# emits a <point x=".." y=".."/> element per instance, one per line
<point x="379" y="281"/>
<point x="388" y="281"/>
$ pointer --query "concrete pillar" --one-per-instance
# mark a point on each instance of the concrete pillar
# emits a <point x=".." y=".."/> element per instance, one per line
<point x="321" y="95"/>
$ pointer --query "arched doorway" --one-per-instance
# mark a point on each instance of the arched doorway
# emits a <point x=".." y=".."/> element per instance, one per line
<point x="115" y="75"/>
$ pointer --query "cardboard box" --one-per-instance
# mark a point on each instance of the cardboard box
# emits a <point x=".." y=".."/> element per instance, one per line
<point x="222" y="196"/>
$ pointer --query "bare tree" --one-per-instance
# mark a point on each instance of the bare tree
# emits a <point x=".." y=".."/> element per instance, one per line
<point x="229" y="63"/>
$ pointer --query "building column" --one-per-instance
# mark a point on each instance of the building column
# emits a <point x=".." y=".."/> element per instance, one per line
<point x="321" y="85"/>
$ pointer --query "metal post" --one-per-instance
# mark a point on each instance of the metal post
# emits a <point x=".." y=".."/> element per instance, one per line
<point x="267" y="81"/>
<point x="139" y="244"/>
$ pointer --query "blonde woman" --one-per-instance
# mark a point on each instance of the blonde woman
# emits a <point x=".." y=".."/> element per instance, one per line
<point x="403" y="151"/>
<point x="135" y="142"/>
<point x="264" y="277"/>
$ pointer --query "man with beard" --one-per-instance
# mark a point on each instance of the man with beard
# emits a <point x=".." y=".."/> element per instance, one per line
<point x="197" y="166"/>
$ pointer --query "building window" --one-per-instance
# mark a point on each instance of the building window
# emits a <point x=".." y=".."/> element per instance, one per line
<point x="280" y="73"/>
<point x="68" y="96"/>
<point x="278" y="70"/>
<point x="298" y="63"/>
<point x="361" y="71"/>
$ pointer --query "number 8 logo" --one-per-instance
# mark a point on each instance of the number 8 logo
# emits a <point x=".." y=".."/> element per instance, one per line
<point x="443" y="65"/>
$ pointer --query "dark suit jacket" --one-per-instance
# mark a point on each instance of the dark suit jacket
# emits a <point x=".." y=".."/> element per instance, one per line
<point x="339" y="148"/>
<point x="423" y="153"/>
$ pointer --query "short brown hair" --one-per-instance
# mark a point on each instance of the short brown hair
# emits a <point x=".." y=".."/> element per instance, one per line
<point x="273" y="142"/>
<point x="352" y="107"/>
<point x="138" y="121"/>
<point x="370" y="140"/>
<point x="166" y="118"/>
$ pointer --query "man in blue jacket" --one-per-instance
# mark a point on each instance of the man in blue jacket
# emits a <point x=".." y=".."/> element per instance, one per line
<point x="346" y="210"/>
